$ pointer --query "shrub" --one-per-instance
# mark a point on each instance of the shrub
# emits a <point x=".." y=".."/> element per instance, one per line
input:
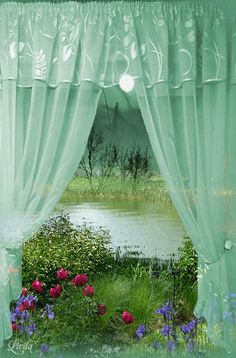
<point x="187" y="263"/>
<point x="60" y="244"/>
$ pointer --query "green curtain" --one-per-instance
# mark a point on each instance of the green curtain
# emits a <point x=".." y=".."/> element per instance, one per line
<point x="43" y="137"/>
<point x="55" y="58"/>
<point x="192" y="132"/>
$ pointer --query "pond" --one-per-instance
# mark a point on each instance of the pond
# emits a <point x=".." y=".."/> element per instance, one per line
<point x="153" y="230"/>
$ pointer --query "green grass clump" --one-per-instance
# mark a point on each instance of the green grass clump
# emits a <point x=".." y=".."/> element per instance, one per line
<point x="149" y="189"/>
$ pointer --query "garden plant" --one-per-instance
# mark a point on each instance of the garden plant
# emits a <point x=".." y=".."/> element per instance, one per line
<point x="89" y="302"/>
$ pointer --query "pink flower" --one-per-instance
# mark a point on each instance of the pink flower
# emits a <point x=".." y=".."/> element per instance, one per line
<point x="80" y="280"/>
<point x="127" y="317"/>
<point x="14" y="326"/>
<point x="62" y="274"/>
<point x="88" y="291"/>
<point x="37" y="286"/>
<point x="101" y="309"/>
<point x="55" y="291"/>
<point x="24" y="291"/>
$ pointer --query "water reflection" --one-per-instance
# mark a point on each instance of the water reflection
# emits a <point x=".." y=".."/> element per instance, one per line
<point x="153" y="230"/>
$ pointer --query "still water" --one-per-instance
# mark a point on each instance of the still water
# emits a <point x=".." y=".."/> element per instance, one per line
<point x="142" y="226"/>
<point x="146" y="227"/>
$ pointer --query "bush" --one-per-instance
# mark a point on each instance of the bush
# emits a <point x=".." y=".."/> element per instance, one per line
<point x="187" y="263"/>
<point x="60" y="244"/>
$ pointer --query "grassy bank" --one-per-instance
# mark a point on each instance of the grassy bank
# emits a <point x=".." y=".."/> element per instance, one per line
<point x="150" y="189"/>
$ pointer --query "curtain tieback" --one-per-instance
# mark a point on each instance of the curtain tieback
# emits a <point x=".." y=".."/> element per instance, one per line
<point x="229" y="245"/>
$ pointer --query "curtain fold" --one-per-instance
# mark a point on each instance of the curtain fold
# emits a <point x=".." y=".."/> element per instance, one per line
<point x="44" y="133"/>
<point x="188" y="133"/>
<point x="54" y="60"/>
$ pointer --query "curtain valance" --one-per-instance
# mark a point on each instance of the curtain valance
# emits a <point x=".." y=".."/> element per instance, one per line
<point x="54" y="59"/>
<point x="59" y="42"/>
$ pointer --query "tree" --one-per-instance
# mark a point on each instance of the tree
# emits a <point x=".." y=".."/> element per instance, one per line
<point x="91" y="156"/>
<point x="108" y="159"/>
<point x="138" y="162"/>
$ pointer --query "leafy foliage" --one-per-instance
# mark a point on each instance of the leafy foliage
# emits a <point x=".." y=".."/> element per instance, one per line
<point x="187" y="263"/>
<point x="59" y="244"/>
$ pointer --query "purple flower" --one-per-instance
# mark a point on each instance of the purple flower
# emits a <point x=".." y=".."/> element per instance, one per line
<point x="232" y="295"/>
<point x="166" y="310"/>
<point x="189" y="327"/>
<point x="167" y="329"/>
<point x="44" y="348"/>
<point x="31" y="329"/>
<point x="170" y="346"/>
<point x="21" y="328"/>
<point x="24" y="316"/>
<point x="48" y="312"/>
<point x="20" y="300"/>
<point x="190" y="346"/>
<point x="13" y="316"/>
<point x="140" y="331"/>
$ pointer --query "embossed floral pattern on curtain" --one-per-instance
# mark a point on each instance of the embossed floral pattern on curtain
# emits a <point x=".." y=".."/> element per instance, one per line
<point x="55" y="58"/>
<point x="50" y="42"/>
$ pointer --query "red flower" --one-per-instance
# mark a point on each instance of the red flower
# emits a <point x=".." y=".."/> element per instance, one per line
<point x="55" y="291"/>
<point x="62" y="274"/>
<point x="37" y="286"/>
<point x="101" y="309"/>
<point x="127" y="317"/>
<point x="14" y="326"/>
<point x="24" y="291"/>
<point x="31" y="306"/>
<point x="80" y="280"/>
<point x="21" y="308"/>
<point x="88" y="291"/>
<point x="25" y="305"/>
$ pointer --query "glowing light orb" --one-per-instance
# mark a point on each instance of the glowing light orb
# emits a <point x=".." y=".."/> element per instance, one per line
<point x="126" y="83"/>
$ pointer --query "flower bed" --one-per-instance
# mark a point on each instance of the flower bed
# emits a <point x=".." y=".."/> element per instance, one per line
<point x="121" y="307"/>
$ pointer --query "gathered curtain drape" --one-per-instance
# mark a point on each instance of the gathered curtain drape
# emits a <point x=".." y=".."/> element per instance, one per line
<point x="54" y="60"/>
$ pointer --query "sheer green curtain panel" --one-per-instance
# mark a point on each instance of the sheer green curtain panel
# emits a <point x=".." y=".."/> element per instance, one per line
<point x="54" y="59"/>
<point x="43" y="129"/>
<point x="43" y="133"/>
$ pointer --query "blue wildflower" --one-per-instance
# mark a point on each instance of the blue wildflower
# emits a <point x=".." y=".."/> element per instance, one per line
<point x="167" y="329"/>
<point x="166" y="310"/>
<point x="48" y="312"/>
<point x="232" y="295"/>
<point x="189" y="327"/>
<point x="140" y="331"/>
<point x="44" y="348"/>
<point x="31" y="329"/>
<point x="24" y="316"/>
<point x="21" y="328"/>
<point x="170" y="345"/>
<point x="13" y="316"/>
<point x="20" y="300"/>
<point x="190" y="346"/>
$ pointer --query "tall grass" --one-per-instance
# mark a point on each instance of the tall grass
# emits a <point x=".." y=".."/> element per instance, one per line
<point x="150" y="189"/>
